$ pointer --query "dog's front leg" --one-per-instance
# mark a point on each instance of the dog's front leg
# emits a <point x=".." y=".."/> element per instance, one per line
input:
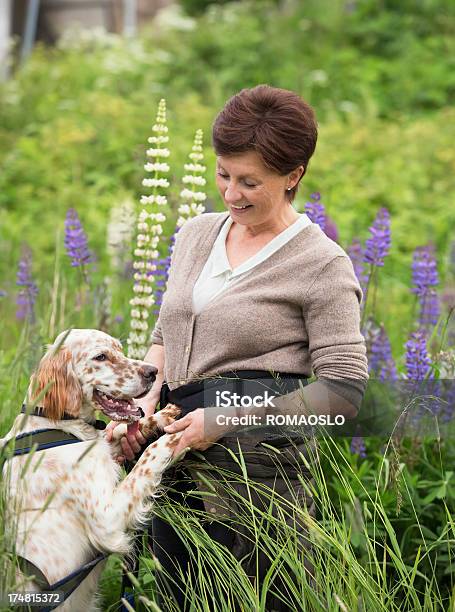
<point x="129" y="504"/>
<point x="149" y="426"/>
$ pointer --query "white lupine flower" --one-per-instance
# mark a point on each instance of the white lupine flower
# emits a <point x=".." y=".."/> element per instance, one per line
<point x="158" y="152"/>
<point x="194" y="180"/>
<point x="187" y="194"/>
<point x="149" y="226"/>
<point x="155" y="182"/>
<point x="156" y="167"/>
<point x="135" y="324"/>
<point x="198" y="209"/>
<point x="160" y="128"/>
<point x="120" y="231"/>
<point x="144" y="301"/>
<point x="184" y="209"/>
<point x="194" y="168"/>
<point x="137" y="339"/>
<point x="147" y="200"/>
<point x="191" y="207"/>
<point x="143" y="238"/>
<point x="158" y="139"/>
<point x="158" y="217"/>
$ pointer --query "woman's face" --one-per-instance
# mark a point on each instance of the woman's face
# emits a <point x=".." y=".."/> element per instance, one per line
<point x="253" y="194"/>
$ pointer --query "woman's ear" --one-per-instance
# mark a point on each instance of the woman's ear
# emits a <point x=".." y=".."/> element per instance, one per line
<point x="62" y="390"/>
<point x="295" y="176"/>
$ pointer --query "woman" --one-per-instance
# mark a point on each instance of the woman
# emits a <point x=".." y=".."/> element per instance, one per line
<point x="256" y="290"/>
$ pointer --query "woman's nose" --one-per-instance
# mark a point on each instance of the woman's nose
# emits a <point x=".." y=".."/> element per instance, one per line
<point x="232" y="193"/>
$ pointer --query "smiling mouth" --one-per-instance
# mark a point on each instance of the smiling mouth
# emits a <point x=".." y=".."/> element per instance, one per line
<point x="241" y="207"/>
<point x="118" y="408"/>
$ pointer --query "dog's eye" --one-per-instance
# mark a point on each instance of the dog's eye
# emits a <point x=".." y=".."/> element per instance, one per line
<point x="100" y="357"/>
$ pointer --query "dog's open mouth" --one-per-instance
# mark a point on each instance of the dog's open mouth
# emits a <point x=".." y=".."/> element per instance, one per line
<point x="116" y="408"/>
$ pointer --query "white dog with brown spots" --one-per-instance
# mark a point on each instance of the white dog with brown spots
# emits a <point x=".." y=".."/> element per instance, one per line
<point x="69" y="504"/>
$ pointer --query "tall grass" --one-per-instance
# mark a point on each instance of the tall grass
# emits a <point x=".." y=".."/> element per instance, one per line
<point x="354" y="561"/>
<point x="372" y="545"/>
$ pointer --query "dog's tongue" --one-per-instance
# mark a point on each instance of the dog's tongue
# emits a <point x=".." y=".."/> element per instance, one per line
<point x="132" y="428"/>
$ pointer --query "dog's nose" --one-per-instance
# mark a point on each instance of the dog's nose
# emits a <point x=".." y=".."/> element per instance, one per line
<point x="148" y="372"/>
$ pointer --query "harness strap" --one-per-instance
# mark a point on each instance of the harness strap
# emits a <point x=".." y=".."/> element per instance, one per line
<point x="66" y="585"/>
<point x="42" y="439"/>
<point x="39" y="411"/>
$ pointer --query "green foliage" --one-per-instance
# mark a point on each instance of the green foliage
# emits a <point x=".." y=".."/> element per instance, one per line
<point x="74" y="122"/>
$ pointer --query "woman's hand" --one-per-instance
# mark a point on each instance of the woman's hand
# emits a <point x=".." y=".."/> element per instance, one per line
<point x="195" y="434"/>
<point x="132" y="444"/>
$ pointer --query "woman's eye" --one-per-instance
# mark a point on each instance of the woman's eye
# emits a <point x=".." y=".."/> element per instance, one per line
<point x="250" y="184"/>
<point x="225" y="176"/>
<point x="101" y="357"/>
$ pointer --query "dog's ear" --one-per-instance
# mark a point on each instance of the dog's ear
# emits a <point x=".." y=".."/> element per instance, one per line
<point x="62" y="391"/>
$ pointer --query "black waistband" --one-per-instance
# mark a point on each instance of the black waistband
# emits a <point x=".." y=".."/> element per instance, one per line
<point x="204" y="393"/>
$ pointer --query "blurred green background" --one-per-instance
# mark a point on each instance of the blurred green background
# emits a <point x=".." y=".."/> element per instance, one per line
<point x="74" y="122"/>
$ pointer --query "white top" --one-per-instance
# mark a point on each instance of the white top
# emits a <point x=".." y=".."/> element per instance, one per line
<point x="217" y="274"/>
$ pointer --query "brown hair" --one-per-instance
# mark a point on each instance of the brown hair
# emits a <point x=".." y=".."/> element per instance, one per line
<point x="276" y="123"/>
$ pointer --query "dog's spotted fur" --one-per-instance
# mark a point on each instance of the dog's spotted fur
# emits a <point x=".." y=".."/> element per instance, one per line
<point x="71" y="503"/>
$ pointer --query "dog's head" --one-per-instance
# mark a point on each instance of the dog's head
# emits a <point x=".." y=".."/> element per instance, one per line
<point x="85" y="370"/>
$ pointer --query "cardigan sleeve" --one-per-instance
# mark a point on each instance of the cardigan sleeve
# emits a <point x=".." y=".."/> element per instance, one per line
<point x="332" y="318"/>
<point x="336" y="345"/>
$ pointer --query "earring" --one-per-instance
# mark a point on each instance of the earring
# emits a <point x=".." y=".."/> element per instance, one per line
<point x="289" y="189"/>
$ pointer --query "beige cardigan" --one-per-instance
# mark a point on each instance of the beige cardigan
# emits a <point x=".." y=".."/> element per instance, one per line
<point x="298" y="312"/>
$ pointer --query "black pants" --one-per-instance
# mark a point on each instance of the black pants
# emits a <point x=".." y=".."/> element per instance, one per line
<point x="171" y="551"/>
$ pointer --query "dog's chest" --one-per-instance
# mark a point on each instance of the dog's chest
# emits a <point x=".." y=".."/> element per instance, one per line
<point x="67" y="475"/>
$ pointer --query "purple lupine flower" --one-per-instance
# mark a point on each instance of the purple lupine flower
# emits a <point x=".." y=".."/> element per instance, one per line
<point x="26" y="296"/>
<point x="170" y="251"/>
<point x="417" y="358"/>
<point x="358" y="447"/>
<point x="331" y="229"/>
<point x="76" y="243"/>
<point x="424" y="277"/>
<point x="315" y="210"/>
<point x="377" y="247"/>
<point x="430" y="310"/>
<point x="424" y="270"/>
<point x="388" y="371"/>
<point x="381" y="361"/>
<point x="355" y="253"/>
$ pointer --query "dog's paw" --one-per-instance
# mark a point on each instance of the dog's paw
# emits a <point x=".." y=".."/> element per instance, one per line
<point x="171" y="412"/>
<point x="158" y="421"/>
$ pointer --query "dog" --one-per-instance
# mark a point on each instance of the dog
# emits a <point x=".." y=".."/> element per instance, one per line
<point x="67" y="504"/>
